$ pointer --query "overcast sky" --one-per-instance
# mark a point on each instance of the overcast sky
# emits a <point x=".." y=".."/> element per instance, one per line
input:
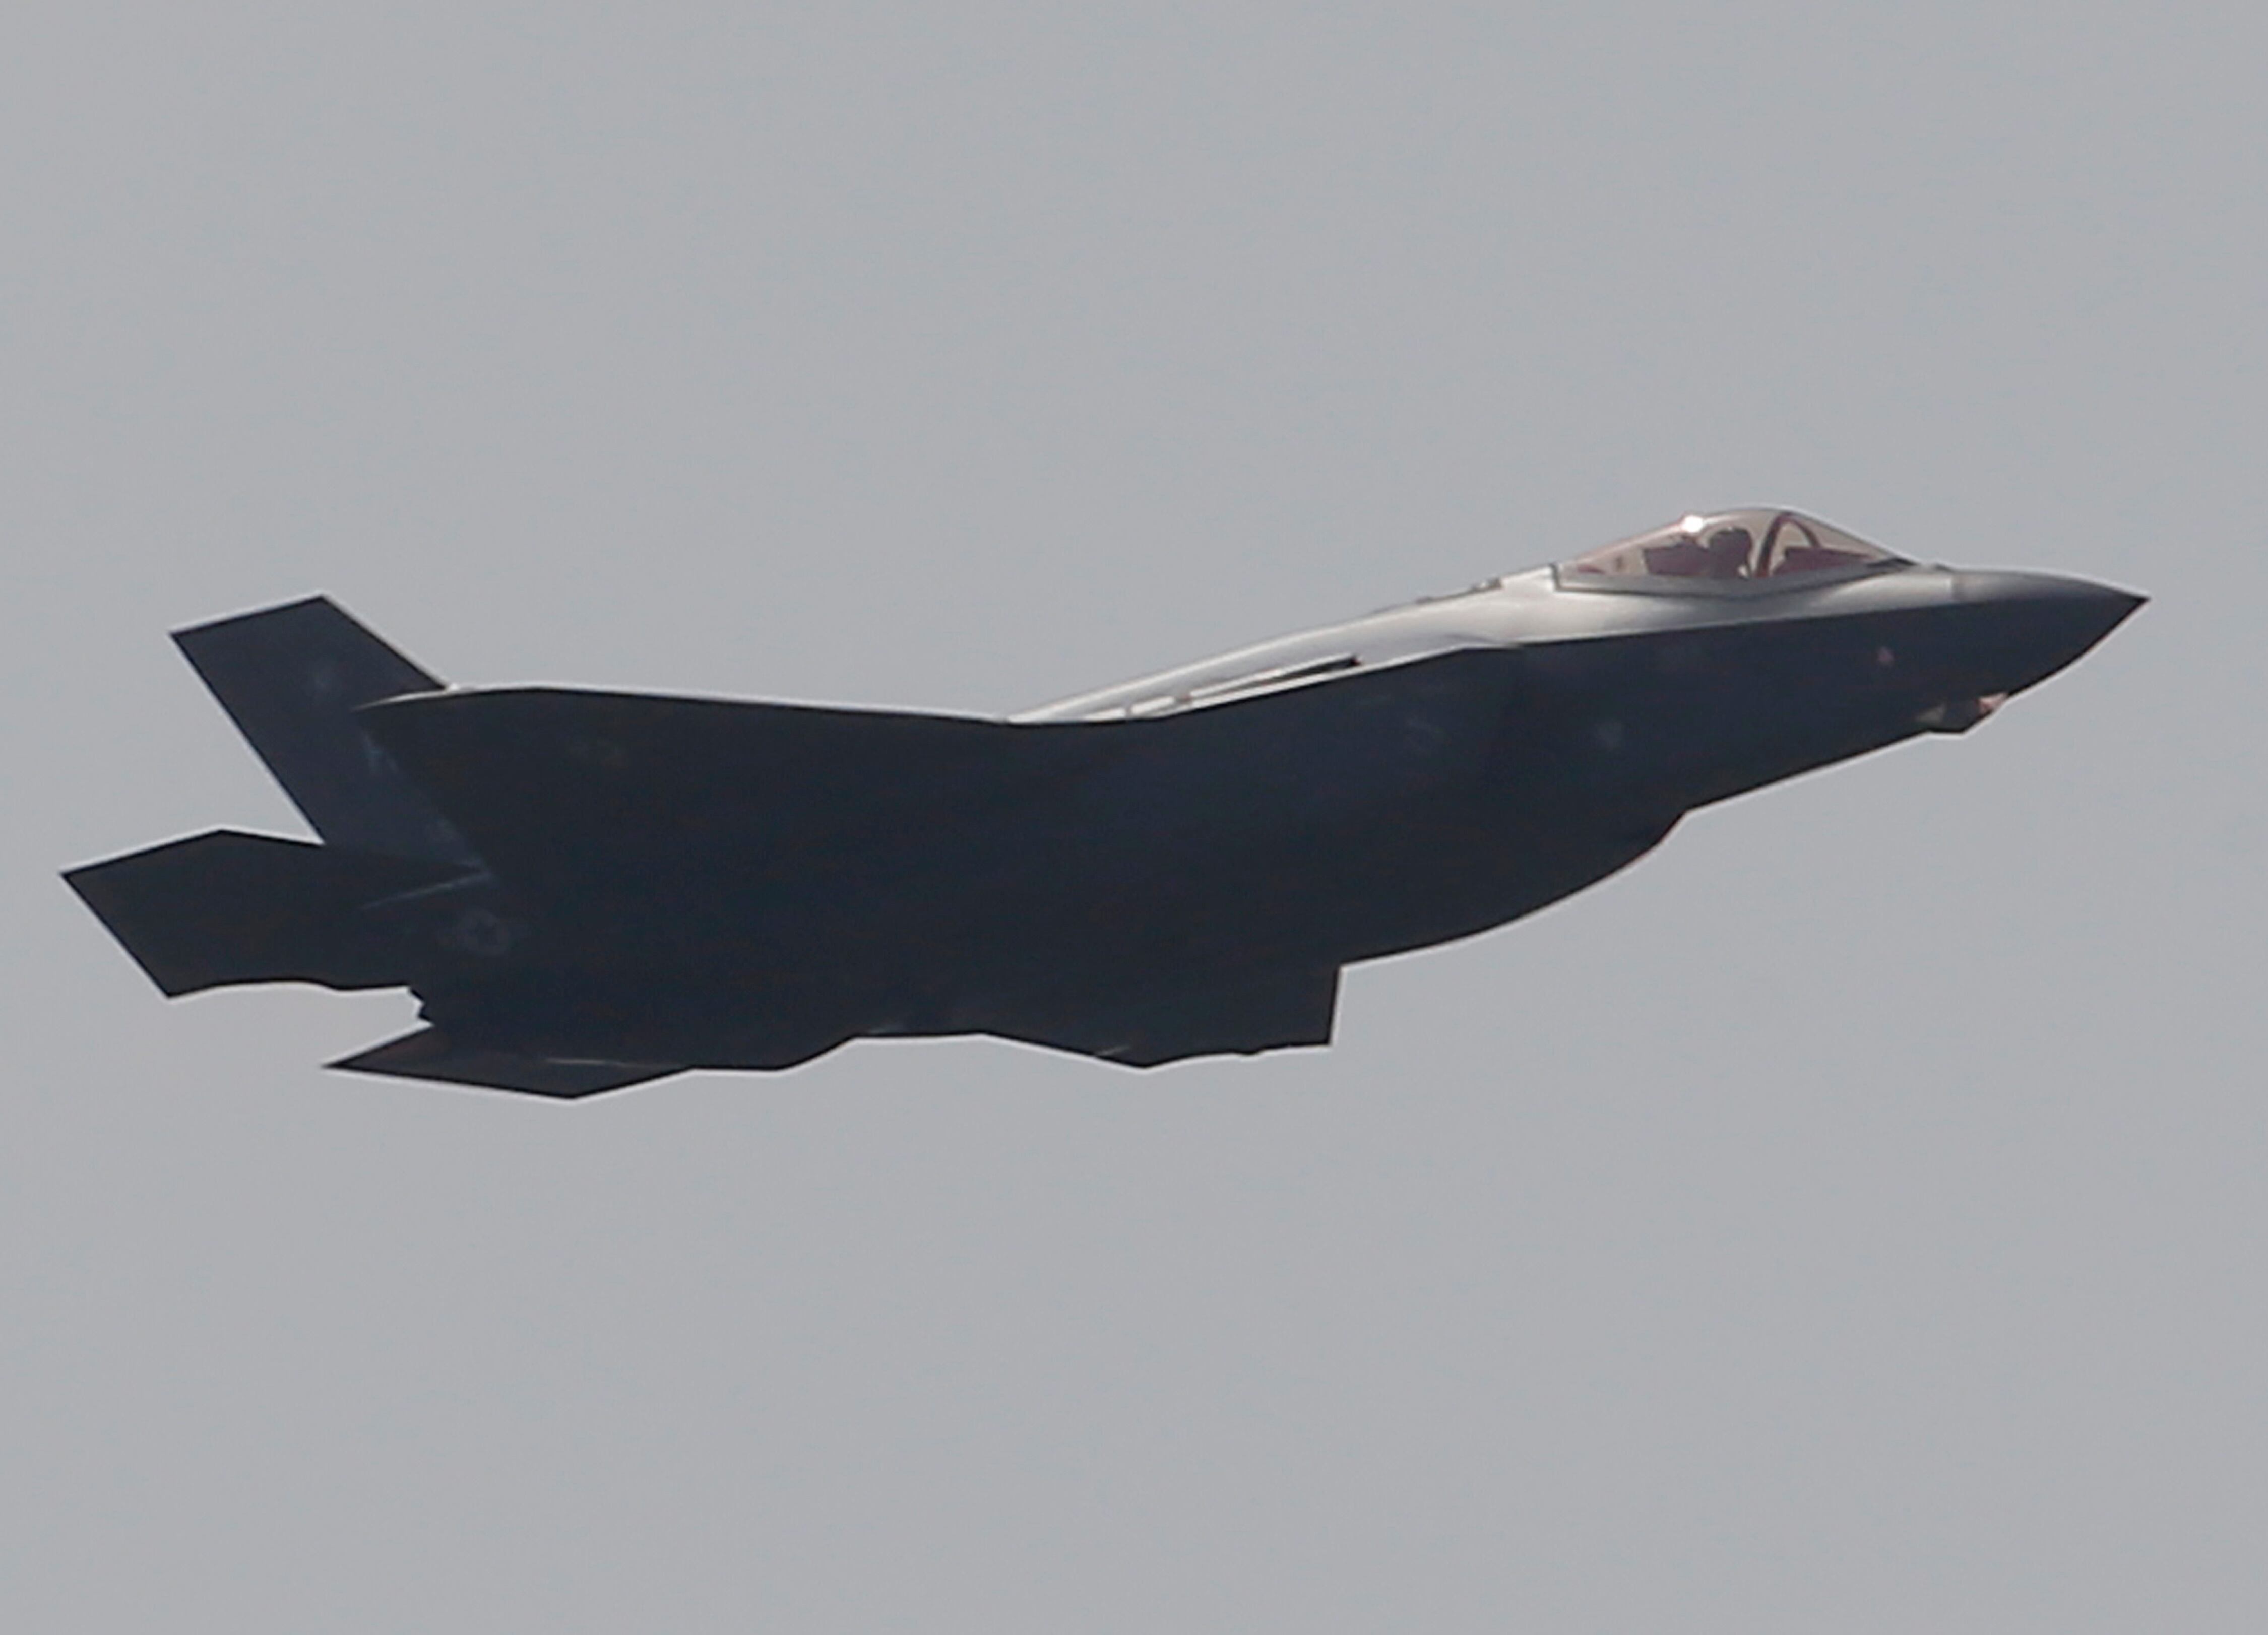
<point x="1850" y="1219"/>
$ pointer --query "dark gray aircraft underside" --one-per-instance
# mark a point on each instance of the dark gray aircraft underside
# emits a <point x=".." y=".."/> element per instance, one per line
<point x="590" y="890"/>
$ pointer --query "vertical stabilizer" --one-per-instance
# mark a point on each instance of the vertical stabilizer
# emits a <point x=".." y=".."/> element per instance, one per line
<point x="292" y="678"/>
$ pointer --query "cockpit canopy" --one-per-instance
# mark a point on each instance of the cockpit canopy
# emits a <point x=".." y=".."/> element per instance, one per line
<point x="1728" y="551"/>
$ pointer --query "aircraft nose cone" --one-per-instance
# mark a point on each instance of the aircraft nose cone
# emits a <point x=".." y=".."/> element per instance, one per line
<point x="2035" y="624"/>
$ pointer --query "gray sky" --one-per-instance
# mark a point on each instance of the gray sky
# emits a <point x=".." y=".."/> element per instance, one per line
<point x="1852" y="1218"/>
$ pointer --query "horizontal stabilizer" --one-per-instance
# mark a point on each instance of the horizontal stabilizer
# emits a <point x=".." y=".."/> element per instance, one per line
<point x="292" y="678"/>
<point x="224" y="907"/>
<point x="429" y="1053"/>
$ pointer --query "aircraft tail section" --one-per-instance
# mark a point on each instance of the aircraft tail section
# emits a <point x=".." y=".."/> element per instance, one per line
<point x="224" y="907"/>
<point x="292" y="678"/>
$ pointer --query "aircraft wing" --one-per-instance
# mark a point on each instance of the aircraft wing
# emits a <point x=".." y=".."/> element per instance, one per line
<point x="429" y="1053"/>
<point x="558" y="789"/>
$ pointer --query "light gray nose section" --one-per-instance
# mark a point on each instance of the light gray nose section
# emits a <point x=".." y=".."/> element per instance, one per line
<point x="2046" y="589"/>
<point x="2035" y="624"/>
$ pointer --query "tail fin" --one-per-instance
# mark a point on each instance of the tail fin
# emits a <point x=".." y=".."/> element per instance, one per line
<point x="224" y="907"/>
<point x="292" y="678"/>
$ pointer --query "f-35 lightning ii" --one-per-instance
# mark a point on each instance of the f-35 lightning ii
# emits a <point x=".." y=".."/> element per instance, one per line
<point x="590" y="890"/>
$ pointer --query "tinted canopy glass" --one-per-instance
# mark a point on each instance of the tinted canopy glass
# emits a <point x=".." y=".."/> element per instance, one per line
<point x="1728" y="549"/>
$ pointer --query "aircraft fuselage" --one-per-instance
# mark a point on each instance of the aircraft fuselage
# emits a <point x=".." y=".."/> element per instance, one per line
<point x="1175" y="866"/>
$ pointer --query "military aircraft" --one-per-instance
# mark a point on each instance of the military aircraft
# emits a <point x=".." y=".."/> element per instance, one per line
<point x="592" y="890"/>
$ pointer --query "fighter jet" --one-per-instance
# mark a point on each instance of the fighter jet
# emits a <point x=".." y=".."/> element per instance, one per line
<point x="592" y="890"/>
